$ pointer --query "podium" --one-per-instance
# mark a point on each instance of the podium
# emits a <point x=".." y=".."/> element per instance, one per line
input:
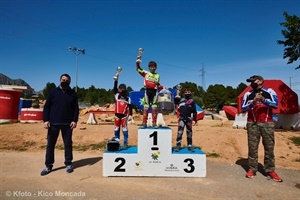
<point x="154" y="156"/>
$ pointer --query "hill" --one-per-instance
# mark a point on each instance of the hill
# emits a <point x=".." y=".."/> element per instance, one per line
<point x="5" y="80"/>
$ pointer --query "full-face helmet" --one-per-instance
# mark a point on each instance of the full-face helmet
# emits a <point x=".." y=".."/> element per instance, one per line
<point x="152" y="66"/>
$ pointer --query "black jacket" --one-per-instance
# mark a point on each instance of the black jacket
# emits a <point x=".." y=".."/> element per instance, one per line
<point x="186" y="107"/>
<point x="61" y="107"/>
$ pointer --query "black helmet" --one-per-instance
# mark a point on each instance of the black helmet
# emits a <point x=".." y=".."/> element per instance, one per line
<point x="151" y="63"/>
<point x="122" y="86"/>
<point x="152" y="66"/>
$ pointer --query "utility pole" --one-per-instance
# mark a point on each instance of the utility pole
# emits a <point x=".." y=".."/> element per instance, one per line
<point x="77" y="52"/>
<point x="203" y="77"/>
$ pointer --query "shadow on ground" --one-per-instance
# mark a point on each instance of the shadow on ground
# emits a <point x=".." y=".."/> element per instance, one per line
<point x="82" y="163"/>
<point x="243" y="162"/>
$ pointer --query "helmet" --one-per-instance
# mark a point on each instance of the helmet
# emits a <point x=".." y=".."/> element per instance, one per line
<point x="122" y="86"/>
<point x="152" y="66"/>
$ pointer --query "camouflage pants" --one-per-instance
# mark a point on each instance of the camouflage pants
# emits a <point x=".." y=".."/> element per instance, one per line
<point x="264" y="130"/>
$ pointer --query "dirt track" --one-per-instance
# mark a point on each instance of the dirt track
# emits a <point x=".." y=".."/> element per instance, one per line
<point x="22" y="160"/>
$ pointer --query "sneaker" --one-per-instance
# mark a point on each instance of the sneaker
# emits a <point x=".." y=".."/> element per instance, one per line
<point x="125" y="146"/>
<point x="274" y="176"/>
<point x="155" y="125"/>
<point x="69" y="169"/>
<point x="144" y="125"/>
<point x="191" y="148"/>
<point x="250" y="174"/>
<point x="177" y="149"/>
<point x="46" y="171"/>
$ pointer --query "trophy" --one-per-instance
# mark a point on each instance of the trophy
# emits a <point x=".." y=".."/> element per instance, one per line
<point x="139" y="56"/>
<point x="119" y="69"/>
<point x="178" y="87"/>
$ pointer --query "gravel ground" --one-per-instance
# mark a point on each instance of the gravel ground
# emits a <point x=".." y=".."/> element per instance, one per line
<point x="20" y="179"/>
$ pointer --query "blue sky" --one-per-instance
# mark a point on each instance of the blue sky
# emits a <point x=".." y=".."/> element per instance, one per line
<point x="231" y="40"/>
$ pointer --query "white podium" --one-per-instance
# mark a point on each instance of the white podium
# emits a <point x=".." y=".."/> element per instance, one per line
<point x="154" y="156"/>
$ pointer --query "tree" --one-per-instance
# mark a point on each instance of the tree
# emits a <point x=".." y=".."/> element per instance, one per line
<point x="81" y="93"/>
<point x="240" y="88"/>
<point x="129" y="89"/>
<point x="230" y="95"/>
<point x="193" y="87"/>
<point x="47" y="89"/>
<point x="214" y="95"/>
<point x="292" y="36"/>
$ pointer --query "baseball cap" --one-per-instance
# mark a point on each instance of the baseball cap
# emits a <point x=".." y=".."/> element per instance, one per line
<point x="254" y="78"/>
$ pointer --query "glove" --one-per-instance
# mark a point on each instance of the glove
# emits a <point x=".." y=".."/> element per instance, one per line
<point x="138" y="59"/>
<point x="194" y="123"/>
<point x="258" y="98"/>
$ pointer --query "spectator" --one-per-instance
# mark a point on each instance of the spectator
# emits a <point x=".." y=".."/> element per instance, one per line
<point x="60" y="114"/>
<point x="259" y="103"/>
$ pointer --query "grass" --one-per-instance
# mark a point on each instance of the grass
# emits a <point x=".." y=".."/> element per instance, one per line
<point x="295" y="140"/>
<point x="82" y="147"/>
<point x="213" y="155"/>
<point x="23" y="147"/>
<point x="5" y="123"/>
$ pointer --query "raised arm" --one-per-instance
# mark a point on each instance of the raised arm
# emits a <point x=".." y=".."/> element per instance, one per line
<point x="115" y="86"/>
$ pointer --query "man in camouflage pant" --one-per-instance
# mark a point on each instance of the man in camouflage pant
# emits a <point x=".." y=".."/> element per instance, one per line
<point x="259" y="103"/>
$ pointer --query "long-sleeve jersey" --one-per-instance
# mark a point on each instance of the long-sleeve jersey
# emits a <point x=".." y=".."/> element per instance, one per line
<point x="151" y="80"/>
<point x="61" y="107"/>
<point x="186" y="107"/>
<point x="260" y="111"/>
<point x="123" y="105"/>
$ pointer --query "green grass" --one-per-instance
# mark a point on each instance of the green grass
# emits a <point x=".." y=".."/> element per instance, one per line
<point x="5" y="123"/>
<point x="23" y="147"/>
<point x="213" y="155"/>
<point x="80" y="147"/>
<point x="295" y="140"/>
<point x="15" y="148"/>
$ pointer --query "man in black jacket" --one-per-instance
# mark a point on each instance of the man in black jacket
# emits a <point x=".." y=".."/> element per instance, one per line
<point x="60" y="113"/>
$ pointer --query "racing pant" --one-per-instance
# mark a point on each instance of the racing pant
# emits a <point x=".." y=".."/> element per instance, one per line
<point x="150" y="99"/>
<point x="121" y="122"/>
<point x="188" y="123"/>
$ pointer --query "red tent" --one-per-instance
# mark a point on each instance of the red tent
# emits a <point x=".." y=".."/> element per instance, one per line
<point x="230" y="111"/>
<point x="287" y="98"/>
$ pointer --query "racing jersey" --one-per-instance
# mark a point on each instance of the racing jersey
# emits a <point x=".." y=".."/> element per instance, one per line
<point x="260" y="111"/>
<point x="122" y="102"/>
<point x="186" y="107"/>
<point x="151" y="80"/>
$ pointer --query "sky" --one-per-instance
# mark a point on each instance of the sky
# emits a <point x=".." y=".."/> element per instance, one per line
<point x="206" y="42"/>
